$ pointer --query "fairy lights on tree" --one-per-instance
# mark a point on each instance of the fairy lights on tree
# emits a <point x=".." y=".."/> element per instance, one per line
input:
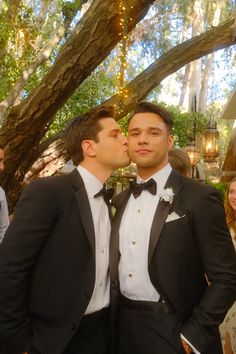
<point x="123" y="46"/>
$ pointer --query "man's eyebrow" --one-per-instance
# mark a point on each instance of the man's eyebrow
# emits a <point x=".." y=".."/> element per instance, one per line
<point x="134" y="129"/>
<point x="116" y="130"/>
<point x="149" y="128"/>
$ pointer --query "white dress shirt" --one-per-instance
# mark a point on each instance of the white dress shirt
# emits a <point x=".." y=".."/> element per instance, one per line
<point x="102" y="227"/>
<point x="135" y="228"/>
<point x="4" y="215"/>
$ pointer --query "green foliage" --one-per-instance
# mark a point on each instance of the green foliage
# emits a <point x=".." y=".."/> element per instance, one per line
<point x="183" y="128"/>
<point x="220" y="186"/>
<point x="21" y="39"/>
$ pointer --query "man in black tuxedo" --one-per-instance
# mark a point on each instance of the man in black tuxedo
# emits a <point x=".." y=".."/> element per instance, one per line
<point x="54" y="283"/>
<point x="173" y="265"/>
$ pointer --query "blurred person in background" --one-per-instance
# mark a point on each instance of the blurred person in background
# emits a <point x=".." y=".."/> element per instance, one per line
<point x="180" y="161"/>
<point x="4" y="215"/>
<point x="228" y="327"/>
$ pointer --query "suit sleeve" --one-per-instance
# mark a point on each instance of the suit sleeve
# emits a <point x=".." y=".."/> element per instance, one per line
<point x="34" y="217"/>
<point x="219" y="260"/>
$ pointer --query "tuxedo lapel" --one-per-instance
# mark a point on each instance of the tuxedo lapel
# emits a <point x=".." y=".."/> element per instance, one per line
<point x="84" y="206"/>
<point x="162" y="211"/>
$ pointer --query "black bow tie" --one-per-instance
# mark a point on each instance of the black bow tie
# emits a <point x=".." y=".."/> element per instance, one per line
<point x="137" y="188"/>
<point x="107" y="194"/>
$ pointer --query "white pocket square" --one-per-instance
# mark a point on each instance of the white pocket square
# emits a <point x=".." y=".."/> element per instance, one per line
<point x="173" y="216"/>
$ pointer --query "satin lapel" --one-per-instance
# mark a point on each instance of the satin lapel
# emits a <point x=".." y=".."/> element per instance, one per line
<point x="114" y="242"/>
<point x="84" y="206"/>
<point x="162" y="211"/>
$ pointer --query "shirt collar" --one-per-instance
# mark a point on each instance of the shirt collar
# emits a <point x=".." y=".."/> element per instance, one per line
<point x="160" y="177"/>
<point x="92" y="184"/>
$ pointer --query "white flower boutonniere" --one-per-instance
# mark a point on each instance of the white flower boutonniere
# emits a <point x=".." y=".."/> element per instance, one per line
<point x="167" y="195"/>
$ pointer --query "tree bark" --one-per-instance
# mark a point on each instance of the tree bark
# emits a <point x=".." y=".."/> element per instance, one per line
<point x="184" y="86"/>
<point x="204" y="85"/>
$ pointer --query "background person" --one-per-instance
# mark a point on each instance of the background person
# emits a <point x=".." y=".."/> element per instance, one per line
<point x="180" y="161"/>
<point x="168" y="232"/>
<point x="54" y="293"/>
<point x="4" y="214"/>
<point x="228" y="327"/>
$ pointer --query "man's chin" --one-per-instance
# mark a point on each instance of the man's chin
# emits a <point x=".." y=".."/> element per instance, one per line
<point x="124" y="164"/>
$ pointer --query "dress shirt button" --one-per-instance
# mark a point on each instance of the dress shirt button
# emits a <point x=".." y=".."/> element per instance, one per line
<point x="139" y="211"/>
<point x="130" y="275"/>
<point x="133" y="242"/>
<point x="113" y="284"/>
<point x="100" y="284"/>
<point x="102" y="250"/>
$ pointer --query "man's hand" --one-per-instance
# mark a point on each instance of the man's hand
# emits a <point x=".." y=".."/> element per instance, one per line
<point x="187" y="348"/>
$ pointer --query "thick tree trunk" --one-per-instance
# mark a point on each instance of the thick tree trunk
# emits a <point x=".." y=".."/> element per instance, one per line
<point x="184" y="86"/>
<point x="217" y="8"/>
<point x="195" y="66"/>
<point x="204" y="84"/>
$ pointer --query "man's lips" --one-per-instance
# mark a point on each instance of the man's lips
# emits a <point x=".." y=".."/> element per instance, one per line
<point x="143" y="151"/>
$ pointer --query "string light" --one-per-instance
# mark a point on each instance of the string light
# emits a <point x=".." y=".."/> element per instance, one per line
<point x="124" y="20"/>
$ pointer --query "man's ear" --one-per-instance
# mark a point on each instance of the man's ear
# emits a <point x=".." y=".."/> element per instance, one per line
<point x="88" y="147"/>
<point x="171" y="140"/>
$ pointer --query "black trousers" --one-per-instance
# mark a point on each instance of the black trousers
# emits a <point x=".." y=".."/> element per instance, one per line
<point x="92" y="335"/>
<point x="151" y="328"/>
<point x="147" y="328"/>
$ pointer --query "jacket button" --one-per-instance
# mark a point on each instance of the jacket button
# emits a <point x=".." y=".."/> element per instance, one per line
<point x="73" y="326"/>
<point x="86" y="296"/>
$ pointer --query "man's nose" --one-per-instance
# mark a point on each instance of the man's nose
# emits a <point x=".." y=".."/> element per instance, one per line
<point x="124" y="140"/>
<point x="143" y="139"/>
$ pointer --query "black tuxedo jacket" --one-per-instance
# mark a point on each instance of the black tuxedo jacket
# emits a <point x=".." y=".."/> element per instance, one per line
<point x="47" y="266"/>
<point x="182" y="252"/>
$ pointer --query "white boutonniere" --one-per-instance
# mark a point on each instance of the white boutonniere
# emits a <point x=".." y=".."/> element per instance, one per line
<point x="167" y="195"/>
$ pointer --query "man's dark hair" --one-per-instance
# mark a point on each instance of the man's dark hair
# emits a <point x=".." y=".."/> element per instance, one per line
<point x="148" y="107"/>
<point x="180" y="161"/>
<point x="83" y="127"/>
<point x="2" y="147"/>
